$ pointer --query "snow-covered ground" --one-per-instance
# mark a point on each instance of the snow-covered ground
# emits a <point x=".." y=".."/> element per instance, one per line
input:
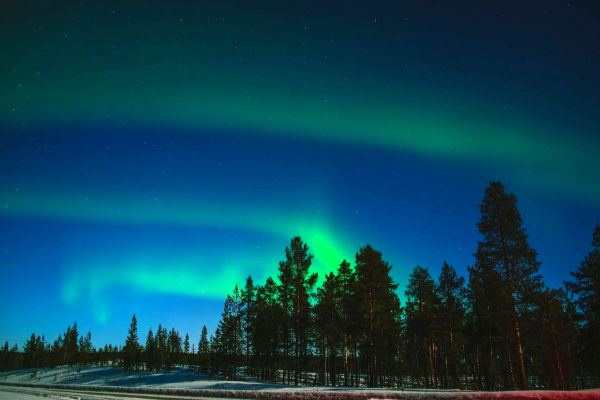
<point x="178" y="378"/>
<point x="17" y="396"/>
<point x="181" y="381"/>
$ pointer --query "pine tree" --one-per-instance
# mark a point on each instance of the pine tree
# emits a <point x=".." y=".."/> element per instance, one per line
<point x="486" y="326"/>
<point x="296" y="288"/>
<point x="162" y="358"/>
<point x="203" y="350"/>
<point x="451" y="319"/>
<point x="286" y="303"/>
<point x="10" y="359"/>
<point x="505" y="249"/>
<point x="586" y="287"/>
<point x="555" y="347"/>
<point x="229" y="335"/>
<point x="70" y="346"/>
<point x="174" y="347"/>
<point x="422" y="305"/>
<point x="298" y="261"/>
<point x="350" y="321"/>
<point x="268" y="329"/>
<point x="379" y="309"/>
<point x="248" y="309"/>
<point x="186" y="350"/>
<point x="88" y="348"/>
<point x="237" y="330"/>
<point x="150" y="352"/>
<point x="85" y="348"/>
<point x="4" y="357"/>
<point x="327" y="311"/>
<point x="131" y="351"/>
<point x="186" y="344"/>
<point x="33" y="352"/>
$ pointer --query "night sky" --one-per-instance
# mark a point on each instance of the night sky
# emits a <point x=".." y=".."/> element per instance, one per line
<point x="153" y="154"/>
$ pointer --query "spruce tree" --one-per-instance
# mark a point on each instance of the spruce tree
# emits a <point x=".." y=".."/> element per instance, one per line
<point x="505" y="249"/>
<point x="70" y="345"/>
<point x="131" y="351"/>
<point x="186" y="349"/>
<point x="174" y="347"/>
<point x="162" y="358"/>
<point x="203" y="347"/>
<point x="186" y="344"/>
<point x="33" y="352"/>
<point x="150" y="352"/>
<point x="88" y="348"/>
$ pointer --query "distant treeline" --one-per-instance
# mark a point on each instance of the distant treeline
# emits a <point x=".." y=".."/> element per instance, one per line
<point x="501" y="328"/>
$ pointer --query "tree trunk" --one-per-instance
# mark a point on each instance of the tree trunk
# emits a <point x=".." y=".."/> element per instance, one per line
<point x="345" y="361"/>
<point x="517" y="331"/>
<point x="510" y="368"/>
<point x="561" y="378"/>
<point x="324" y="373"/>
<point x="370" y="361"/>
<point x="297" y="358"/>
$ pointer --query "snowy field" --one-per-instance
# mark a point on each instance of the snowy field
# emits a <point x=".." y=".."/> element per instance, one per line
<point x="17" y="396"/>
<point x="178" y="378"/>
<point x="181" y="382"/>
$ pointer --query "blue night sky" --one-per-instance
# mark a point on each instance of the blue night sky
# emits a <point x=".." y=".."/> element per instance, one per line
<point x="152" y="155"/>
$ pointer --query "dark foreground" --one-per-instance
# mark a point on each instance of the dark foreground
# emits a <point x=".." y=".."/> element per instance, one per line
<point x="115" y="392"/>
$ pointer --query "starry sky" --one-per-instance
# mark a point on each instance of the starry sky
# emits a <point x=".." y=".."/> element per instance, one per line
<point x="153" y="154"/>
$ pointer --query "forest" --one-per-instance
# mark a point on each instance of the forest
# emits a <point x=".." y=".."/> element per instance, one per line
<point x="499" y="328"/>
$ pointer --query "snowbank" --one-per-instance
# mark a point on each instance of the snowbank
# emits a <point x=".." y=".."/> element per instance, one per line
<point x="186" y="383"/>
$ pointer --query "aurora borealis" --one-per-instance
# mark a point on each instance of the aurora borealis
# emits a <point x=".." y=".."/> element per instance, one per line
<point x="154" y="154"/>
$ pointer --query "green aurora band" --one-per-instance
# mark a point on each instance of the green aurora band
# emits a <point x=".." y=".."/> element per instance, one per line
<point x="182" y="277"/>
<point x="509" y="148"/>
<point x="188" y="69"/>
<point x="267" y="76"/>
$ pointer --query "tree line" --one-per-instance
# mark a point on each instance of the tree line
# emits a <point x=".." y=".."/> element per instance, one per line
<point x="161" y="352"/>
<point x="500" y="328"/>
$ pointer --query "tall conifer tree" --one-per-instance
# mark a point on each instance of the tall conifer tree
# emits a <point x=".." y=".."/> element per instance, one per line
<point x="505" y="249"/>
<point x="131" y="351"/>
<point x="586" y="287"/>
<point x="379" y="309"/>
<point x="294" y="273"/>
<point x="451" y="319"/>
<point x="422" y="306"/>
<point x="150" y="351"/>
<point x="349" y="324"/>
<point x="203" y="350"/>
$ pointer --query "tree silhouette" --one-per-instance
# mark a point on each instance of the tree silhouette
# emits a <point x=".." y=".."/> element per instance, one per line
<point x="132" y="350"/>
<point x="379" y="308"/>
<point x="504" y="248"/>
<point x="586" y="286"/>
<point x="482" y="336"/>
<point x="422" y="305"/>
